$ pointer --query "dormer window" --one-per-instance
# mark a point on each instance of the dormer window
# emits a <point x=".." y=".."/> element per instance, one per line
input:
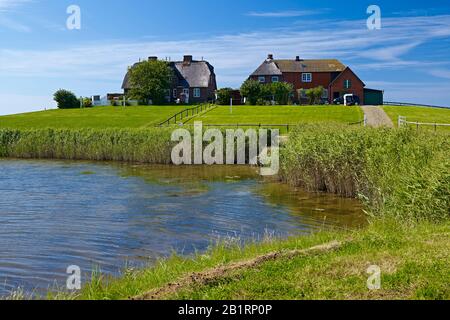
<point x="306" y="77"/>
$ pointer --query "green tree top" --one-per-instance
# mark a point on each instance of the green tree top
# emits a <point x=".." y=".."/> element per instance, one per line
<point x="150" y="80"/>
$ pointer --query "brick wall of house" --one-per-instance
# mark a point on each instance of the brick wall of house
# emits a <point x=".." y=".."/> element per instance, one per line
<point x="338" y="87"/>
<point x="295" y="78"/>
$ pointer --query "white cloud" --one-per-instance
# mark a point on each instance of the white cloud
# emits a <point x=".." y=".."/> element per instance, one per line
<point x="7" y="5"/>
<point x="440" y="73"/>
<point x="284" y="14"/>
<point x="235" y="56"/>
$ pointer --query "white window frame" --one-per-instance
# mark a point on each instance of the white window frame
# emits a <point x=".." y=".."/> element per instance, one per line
<point x="197" y="93"/>
<point x="262" y="79"/>
<point x="325" y="94"/>
<point x="307" y="77"/>
<point x="275" y="79"/>
<point x="175" y="93"/>
<point x="186" y="91"/>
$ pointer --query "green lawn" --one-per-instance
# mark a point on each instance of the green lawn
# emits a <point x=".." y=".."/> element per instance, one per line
<point x="413" y="263"/>
<point x="98" y="117"/>
<point x="421" y="114"/>
<point x="280" y="115"/>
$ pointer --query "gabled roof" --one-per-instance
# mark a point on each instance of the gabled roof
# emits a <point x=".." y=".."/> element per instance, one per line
<point x="318" y="65"/>
<point x="277" y="67"/>
<point x="194" y="74"/>
<point x="343" y="72"/>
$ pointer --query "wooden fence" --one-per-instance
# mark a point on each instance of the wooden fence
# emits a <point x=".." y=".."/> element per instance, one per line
<point x="403" y="122"/>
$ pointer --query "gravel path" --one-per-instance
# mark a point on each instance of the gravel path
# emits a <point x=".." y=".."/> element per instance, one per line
<point x="376" y="117"/>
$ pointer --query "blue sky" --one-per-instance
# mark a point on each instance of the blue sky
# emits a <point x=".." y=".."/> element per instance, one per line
<point x="408" y="58"/>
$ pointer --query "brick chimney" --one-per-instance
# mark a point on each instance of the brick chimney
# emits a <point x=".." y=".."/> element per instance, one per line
<point x="297" y="58"/>
<point x="187" y="60"/>
<point x="152" y="58"/>
<point x="270" y="56"/>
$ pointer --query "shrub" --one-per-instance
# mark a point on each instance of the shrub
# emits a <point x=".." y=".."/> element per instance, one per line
<point x="66" y="99"/>
<point x="87" y="103"/>
<point x="224" y="96"/>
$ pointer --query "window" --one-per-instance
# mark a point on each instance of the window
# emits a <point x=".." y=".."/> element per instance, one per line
<point x="275" y="79"/>
<point x="306" y="77"/>
<point x="262" y="79"/>
<point x="186" y="92"/>
<point x="175" y="93"/>
<point x="197" y="93"/>
<point x="325" y="94"/>
<point x="347" y="84"/>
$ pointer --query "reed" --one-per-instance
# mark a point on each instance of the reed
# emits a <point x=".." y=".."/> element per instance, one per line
<point x="150" y="145"/>
<point x="401" y="173"/>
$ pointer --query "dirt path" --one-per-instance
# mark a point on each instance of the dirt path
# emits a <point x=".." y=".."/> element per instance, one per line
<point x="376" y="117"/>
<point x="220" y="272"/>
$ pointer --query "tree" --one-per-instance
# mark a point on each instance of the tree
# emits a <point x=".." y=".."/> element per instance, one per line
<point x="66" y="99"/>
<point x="150" y="80"/>
<point x="281" y="92"/>
<point x="224" y="96"/>
<point x="251" y="89"/>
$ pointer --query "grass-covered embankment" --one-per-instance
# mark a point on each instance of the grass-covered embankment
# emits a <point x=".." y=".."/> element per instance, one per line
<point x="95" y="118"/>
<point x="150" y="145"/>
<point x="402" y="177"/>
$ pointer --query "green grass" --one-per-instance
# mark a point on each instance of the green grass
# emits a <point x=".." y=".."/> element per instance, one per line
<point x="98" y="117"/>
<point x="414" y="264"/>
<point x="280" y="115"/>
<point x="420" y="114"/>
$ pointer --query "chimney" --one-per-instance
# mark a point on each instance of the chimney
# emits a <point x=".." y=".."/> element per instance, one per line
<point x="187" y="60"/>
<point x="152" y="58"/>
<point x="270" y="57"/>
<point x="297" y="58"/>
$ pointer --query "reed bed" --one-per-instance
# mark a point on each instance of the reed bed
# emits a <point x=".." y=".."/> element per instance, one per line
<point x="151" y="145"/>
<point x="401" y="173"/>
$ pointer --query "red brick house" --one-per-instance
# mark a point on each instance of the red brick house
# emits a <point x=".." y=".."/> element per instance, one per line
<point x="336" y="78"/>
<point x="193" y="82"/>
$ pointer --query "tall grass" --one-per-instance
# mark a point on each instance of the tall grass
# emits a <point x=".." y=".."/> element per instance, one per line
<point x="151" y="145"/>
<point x="400" y="173"/>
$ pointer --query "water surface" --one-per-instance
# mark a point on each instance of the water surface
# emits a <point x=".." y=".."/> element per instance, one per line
<point x="107" y="215"/>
